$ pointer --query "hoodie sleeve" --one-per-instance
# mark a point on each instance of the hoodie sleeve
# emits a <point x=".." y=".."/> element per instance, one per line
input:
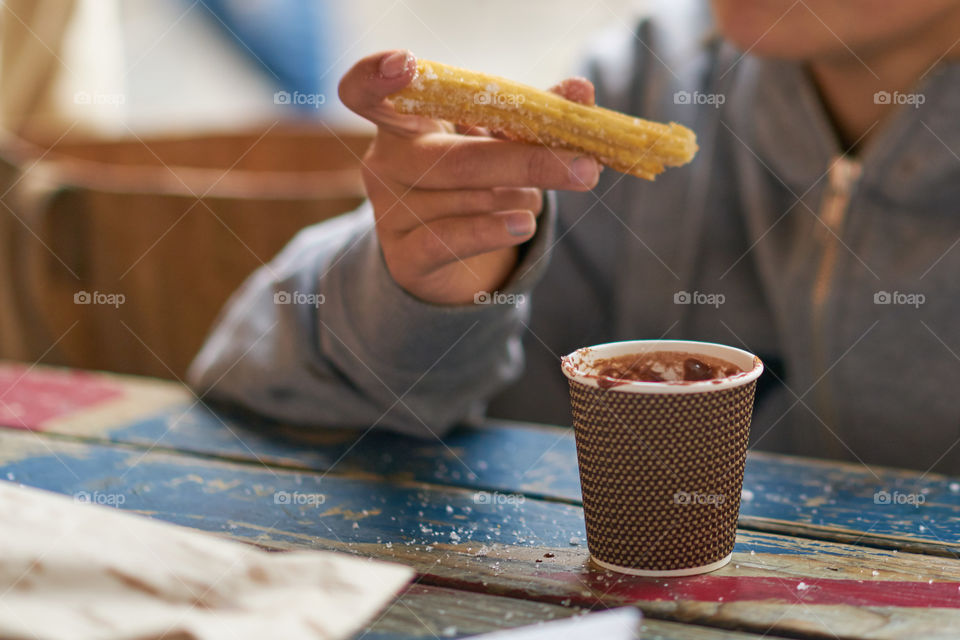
<point x="323" y="336"/>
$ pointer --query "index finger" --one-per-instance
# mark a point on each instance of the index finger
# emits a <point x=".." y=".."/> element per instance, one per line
<point x="451" y="161"/>
<point x="365" y="87"/>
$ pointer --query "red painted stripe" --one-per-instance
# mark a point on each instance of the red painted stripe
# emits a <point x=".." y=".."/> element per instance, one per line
<point x="857" y="593"/>
<point x="27" y="401"/>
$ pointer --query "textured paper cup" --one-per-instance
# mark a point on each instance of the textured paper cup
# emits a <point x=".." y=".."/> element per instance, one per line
<point x="661" y="463"/>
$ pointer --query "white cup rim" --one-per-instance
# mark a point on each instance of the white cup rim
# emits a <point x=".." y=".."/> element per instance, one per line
<point x="573" y="365"/>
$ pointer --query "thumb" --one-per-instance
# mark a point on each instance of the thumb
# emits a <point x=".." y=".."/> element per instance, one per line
<point x="576" y="90"/>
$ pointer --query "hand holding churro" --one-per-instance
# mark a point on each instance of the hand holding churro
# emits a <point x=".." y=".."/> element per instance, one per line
<point x="451" y="209"/>
<point x="625" y="143"/>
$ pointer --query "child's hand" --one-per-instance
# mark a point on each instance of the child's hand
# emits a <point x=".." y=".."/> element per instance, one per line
<point x="450" y="208"/>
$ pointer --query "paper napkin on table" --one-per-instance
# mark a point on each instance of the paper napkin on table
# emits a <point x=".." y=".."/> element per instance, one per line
<point x="83" y="571"/>
<point x="613" y="624"/>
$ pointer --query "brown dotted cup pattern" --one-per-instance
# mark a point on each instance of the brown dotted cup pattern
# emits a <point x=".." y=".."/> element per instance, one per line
<point x="661" y="474"/>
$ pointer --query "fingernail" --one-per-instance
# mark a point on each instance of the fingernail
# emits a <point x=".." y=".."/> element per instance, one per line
<point x="520" y="223"/>
<point x="393" y="65"/>
<point x="584" y="170"/>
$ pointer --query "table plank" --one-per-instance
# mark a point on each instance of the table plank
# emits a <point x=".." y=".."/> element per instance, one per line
<point x="799" y="496"/>
<point x="424" y="611"/>
<point x="525" y="548"/>
<point x="437" y="612"/>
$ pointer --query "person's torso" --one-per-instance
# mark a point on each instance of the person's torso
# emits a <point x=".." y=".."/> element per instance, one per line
<point x="839" y="272"/>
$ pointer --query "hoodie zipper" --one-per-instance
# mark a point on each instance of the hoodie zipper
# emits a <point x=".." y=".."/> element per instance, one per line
<point x="843" y="176"/>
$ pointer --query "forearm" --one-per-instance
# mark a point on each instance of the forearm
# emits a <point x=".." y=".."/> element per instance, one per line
<point x="351" y="348"/>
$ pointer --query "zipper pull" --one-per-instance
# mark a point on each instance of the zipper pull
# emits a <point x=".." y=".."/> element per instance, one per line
<point x="843" y="175"/>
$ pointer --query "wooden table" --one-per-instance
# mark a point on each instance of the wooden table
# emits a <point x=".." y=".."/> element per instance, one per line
<point x="491" y="517"/>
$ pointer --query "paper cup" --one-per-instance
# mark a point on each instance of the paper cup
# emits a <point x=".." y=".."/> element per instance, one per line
<point x="661" y="464"/>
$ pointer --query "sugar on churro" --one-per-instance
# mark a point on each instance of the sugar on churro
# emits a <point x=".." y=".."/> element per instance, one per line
<point x="625" y="143"/>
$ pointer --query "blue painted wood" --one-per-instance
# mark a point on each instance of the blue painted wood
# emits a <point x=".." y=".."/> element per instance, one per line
<point x="532" y="459"/>
<point x="243" y="499"/>
<point x="838" y="501"/>
<point x="352" y="510"/>
<point x="457" y="538"/>
<point x="301" y="507"/>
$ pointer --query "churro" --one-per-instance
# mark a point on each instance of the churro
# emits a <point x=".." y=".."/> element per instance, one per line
<point x="622" y="142"/>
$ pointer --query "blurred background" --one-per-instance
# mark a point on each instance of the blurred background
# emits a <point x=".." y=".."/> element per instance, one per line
<point x="153" y="153"/>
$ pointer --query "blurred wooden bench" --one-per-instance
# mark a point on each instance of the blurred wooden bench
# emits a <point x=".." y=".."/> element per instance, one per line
<point x="173" y="225"/>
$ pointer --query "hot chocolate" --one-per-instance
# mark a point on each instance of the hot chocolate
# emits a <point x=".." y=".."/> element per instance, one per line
<point x="661" y="366"/>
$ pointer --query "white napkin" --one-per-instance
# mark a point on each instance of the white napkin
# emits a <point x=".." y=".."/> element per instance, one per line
<point x="84" y="571"/>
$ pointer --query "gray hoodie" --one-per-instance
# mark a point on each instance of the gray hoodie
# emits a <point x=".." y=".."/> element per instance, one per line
<point x="840" y="272"/>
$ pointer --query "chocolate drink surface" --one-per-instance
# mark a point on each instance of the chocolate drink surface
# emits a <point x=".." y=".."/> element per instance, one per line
<point x="672" y="367"/>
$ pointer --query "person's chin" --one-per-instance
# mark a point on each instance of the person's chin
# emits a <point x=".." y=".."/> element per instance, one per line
<point x="763" y="29"/>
